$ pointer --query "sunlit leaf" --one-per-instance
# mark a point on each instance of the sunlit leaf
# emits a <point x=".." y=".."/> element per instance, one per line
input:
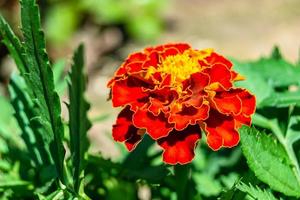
<point x="270" y="162"/>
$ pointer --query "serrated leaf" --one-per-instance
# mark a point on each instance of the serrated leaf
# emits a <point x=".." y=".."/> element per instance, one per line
<point x="270" y="162"/>
<point x="255" y="192"/>
<point x="79" y="123"/>
<point x="13" y="45"/>
<point x="283" y="99"/>
<point x="33" y="63"/>
<point x="32" y="133"/>
<point x="276" y="71"/>
<point x="267" y="73"/>
<point x="39" y="79"/>
<point x="253" y="79"/>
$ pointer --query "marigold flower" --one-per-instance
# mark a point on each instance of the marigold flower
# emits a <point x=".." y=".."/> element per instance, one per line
<point x="171" y="92"/>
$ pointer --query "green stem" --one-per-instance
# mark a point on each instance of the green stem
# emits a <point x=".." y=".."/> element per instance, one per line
<point x="274" y="127"/>
<point x="182" y="177"/>
<point x="288" y="148"/>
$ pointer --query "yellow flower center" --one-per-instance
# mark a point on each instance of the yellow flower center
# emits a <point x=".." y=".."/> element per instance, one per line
<point x="180" y="66"/>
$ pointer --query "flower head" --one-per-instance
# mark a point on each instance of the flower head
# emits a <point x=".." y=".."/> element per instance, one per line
<point x="171" y="92"/>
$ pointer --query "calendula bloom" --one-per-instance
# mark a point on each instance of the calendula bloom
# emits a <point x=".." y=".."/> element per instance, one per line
<point x="171" y="92"/>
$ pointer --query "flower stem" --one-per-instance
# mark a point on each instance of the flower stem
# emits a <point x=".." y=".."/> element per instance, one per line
<point x="182" y="177"/>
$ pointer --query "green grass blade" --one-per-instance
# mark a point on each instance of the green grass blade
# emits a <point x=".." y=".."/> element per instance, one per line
<point x="79" y="122"/>
<point x="40" y="79"/>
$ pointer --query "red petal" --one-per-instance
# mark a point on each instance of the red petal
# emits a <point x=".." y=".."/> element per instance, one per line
<point x="219" y="73"/>
<point x="199" y="81"/>
<point x="228" y="104"/>
<point x="220" y="131"/>
<point x="127" y="91"/>
<point x="248" y="102"/>
<point x="152" y="60"/>
<point x="171" y="51"/>
<point x="156" y="126"/>
<point x="189" y="115"/>
<point x="155" y="106"/>
<point x="134" y="67"/>
<point x="133" y="58"/>
<point x="242" y="120"/>
<point x="166" y="81"/>
<point x="181" y="47"/>
<point x="121" y="71"/>
<point x="179" y="146"/>
<point x="215" y="58"/>
<point x="124" y="131"/>
<point x="160" y="98"/>
<point x="133" y="141"/>
<point x="123" y="128"/>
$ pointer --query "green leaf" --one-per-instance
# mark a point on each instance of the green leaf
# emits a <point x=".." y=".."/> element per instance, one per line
<point x="283" y="99"/>
<point x="253" y="79"/>
<point x="270" y="161"/>
<point x="255" y="192"/>
<point x="13" y="45"/>
<point x="39" y="80"/>
<point x="267" y="73"/>
<point x="79" y="123"/>
<point x="276" y="71"/>
<point x="32" y="133"/>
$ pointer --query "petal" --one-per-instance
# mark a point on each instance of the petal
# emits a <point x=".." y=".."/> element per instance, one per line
<point x="123" y="128"/>
<point x="133" y="141"/>
<point x="152" y="60"/>
<point x="171" y="51"/>
<point x="219" y="73"/>
<point x="228" y="104"/>
<point x="199" y="81"/>
<point x="125" y="131"/>
<point x="138" y="57"/>
<point x="166" y="81"/>
<point x="215" y="58"/>
<point x="181" y="47"/>
<point x="127" y="91"/>
<point x="156" y="126"/>
<point x="189" y="115"/>
<point x="179" y="146"/>
<point x="155" y="106"/>
<point x="220" y="131"/>
<point x="242" y="120"/>
<point x="121" y="71"/>
<point x="160" y="98"/>
<point x="248" y="102"/>
<point x="134" y="67"/>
